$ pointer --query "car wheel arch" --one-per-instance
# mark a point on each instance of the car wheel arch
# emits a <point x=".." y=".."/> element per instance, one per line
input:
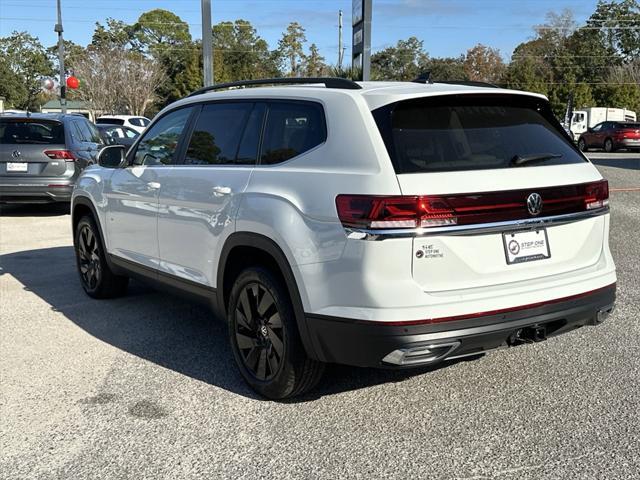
<point x="269" y="253"/>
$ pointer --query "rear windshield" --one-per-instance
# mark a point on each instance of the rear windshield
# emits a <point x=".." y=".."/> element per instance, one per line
<point x="632" y="126"/>
<point x="472" y="132"/>
<point x="44" y="132"/>
<point x="111" y="121"/>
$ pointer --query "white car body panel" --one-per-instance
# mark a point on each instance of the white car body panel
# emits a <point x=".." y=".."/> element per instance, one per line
<point x="196" y="213"/>
<point x="127" y="121"/>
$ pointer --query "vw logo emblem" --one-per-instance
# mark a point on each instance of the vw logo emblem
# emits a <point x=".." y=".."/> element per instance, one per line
<point x="534" y="204"/>
<point x="15" y="154"/>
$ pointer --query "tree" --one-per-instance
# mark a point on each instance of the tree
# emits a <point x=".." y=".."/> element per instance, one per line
<point x="164" y="36"/>
<point x="314" y="62"/>
<point x="447" y="68"/>
<point x="131" y="84"/>
<point x="617" y="24"/>
<point x="557" y="28"/>
<point x="291" y="47"/>
<point x="405" y="61"/>
<point x="241" y="54"/>
<point x="161" y="32"/>
<point x="624" y="85"/>
<point x="11" y="88"/>
<point x="116" y="34"/>
<point x="24" y="57"/>
<point x="484" y="64"/>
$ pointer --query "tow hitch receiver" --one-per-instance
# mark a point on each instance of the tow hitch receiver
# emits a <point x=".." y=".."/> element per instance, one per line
<point x="535" y="333"/>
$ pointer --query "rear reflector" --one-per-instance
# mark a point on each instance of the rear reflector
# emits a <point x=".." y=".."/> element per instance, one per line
<point x="59" y="154"/>
<point x="426" y="211"/>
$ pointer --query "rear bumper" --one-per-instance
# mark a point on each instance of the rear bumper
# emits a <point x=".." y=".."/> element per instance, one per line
<point x="45" y="192"/>
<point x="375" y="344"/>
<point x="628" y="143"/>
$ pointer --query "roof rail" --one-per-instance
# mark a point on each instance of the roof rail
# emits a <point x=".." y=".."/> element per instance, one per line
<point x="468" y="83"/>
<point x="329" y="82"/>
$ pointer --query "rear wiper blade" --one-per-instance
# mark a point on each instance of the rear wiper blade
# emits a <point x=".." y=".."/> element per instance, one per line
<point x="519" y="160"/>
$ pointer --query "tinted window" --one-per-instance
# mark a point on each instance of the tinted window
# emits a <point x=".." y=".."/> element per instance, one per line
<point x="113" y="121"/>
<point x="216" y="136"/>
<point x="31" y="131"/>
<point x="248" y="150"/>
<point x="145" y="122"/>
<point x="93" y="131"/>
<point x="129" y="133"/>
<point x="159" y="144"/>
<point x="83" y="127"/>
<point x="465" y="132"/>
<point x="78" y="134"/>
<point x="292" y="129"/>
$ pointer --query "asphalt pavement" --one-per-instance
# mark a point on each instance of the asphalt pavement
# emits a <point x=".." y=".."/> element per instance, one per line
<point x="144" y="387"/>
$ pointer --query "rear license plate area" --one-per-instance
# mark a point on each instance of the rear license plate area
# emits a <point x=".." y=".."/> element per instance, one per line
<point x="17" y="167"/>
<point x="526" y="246"/>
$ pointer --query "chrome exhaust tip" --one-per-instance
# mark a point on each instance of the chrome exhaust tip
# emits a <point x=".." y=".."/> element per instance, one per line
<point x="421" y="355"/>
<point x="603" y="314"/>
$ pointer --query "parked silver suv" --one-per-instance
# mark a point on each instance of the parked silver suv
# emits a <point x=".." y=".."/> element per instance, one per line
<point x="41" y="156"/>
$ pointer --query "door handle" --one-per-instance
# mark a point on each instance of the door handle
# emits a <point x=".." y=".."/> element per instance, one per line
<point x="153" y="185"/>
<point x="220" y="191"/>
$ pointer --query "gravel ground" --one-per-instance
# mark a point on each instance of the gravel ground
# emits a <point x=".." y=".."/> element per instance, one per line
<point x="144" y="387"/>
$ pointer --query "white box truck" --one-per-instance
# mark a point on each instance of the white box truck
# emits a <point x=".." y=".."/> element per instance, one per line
<point x="590" y="117"/>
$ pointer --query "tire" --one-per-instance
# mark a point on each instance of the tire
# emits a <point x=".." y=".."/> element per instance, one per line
<point x="608" y="146"/>
<point x="264" y="337"/>
<point x="97" y="279"/>
<point x="582" y="145"/>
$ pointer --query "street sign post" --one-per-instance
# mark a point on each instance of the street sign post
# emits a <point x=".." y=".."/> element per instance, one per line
<point x="361" y="39"/>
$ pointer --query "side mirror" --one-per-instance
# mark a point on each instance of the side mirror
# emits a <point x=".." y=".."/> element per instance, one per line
<point x="590" y="130"/>
<point x="112" y="156"/>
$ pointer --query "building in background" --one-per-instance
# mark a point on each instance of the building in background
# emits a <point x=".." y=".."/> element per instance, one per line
<point x="73" y="106"/>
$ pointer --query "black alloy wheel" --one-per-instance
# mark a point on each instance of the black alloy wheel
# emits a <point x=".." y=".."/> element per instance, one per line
<point x="264" y="336"/>
<point x="259" y="332"/>
<point x="97" y="279"/>
<point x="89" y="262"/>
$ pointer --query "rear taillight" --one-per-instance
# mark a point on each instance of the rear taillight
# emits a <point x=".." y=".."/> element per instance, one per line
<point x="59" y="155"/>
<point x="596" y="195"/>
<point x="373" y="212"/>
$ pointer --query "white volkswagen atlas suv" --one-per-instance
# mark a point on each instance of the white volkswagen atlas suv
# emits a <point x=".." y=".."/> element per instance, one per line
<point x="373" y="224"/>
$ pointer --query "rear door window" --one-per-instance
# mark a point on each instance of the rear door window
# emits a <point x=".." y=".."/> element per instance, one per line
<point x="41" y="132"/>
<point x="217" y="133"/>
<point x="292" y="128"/>
<point x="472" y="132"/>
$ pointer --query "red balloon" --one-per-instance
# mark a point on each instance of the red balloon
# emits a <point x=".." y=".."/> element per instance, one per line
<point x="73" y="83"/>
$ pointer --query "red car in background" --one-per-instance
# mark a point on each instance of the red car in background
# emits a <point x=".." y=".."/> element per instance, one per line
<point x="611" y="136"/>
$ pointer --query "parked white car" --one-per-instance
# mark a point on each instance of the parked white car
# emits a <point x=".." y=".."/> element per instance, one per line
<point x="137" y="123"/>
<point x="370" y="224"/>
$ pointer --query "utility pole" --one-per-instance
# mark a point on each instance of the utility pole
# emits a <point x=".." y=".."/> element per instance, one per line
<point x="340" y="49"/>
<point x="63" y="77"/>
<point x="207" y="43"/>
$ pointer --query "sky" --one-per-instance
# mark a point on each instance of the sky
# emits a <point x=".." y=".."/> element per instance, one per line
<point x="448" y="27"/>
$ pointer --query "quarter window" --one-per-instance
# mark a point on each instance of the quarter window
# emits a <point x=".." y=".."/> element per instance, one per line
<point x="159" y="144"/>
<point x="292" y="129"/>
<point x="216" y="137"/>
